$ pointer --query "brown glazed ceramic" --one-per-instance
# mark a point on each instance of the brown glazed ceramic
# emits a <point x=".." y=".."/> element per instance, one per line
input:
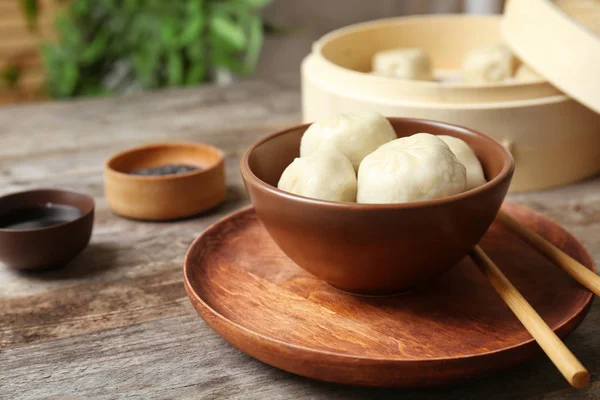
<point x="165" y="197"/>
<point x="50" y="246"/>
<point x="453" y="329"/>
<point x="375" y="248"/>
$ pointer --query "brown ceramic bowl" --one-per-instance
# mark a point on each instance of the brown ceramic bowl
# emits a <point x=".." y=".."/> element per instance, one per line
<point x="51" y="246"/>
<point x="375" y="248"/>
<point x="165" y="197"/>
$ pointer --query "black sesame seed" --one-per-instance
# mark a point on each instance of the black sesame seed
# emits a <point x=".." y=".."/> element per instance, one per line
<point x="168" y="169"/>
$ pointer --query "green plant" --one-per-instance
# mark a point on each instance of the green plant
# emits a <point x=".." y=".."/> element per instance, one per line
<point x="107" y="46"/>
<point x="10" y="75"/>
<point x="31" y="10"/>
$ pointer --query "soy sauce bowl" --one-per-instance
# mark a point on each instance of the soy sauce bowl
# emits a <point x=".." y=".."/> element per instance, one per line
<point x="49" y="246"/>
<point x="170" y="196"/>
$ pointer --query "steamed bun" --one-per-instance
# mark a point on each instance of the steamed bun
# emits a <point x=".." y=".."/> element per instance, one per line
<point x="467" y="157"/>
<point x="411" y="64"/>
<point x="354" y="135"/>
<point x="415" y="168"/>
<point x="324" y="175"/>
<point x="488" y="64"/>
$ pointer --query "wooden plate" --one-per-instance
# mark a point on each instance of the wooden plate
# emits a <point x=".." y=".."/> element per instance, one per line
<point x="454" y="329"/>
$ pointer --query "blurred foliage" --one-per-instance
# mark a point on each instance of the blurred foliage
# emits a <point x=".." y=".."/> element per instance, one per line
<point x="110" y="46"/>
<point x="10" y="75"/>
<point x="31" y="10"/>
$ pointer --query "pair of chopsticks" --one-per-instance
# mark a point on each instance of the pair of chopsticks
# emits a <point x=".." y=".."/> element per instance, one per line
<point x="573" y="371"/>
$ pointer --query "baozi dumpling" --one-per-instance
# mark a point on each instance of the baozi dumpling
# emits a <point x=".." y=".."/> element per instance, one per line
<point x="525" y="73"/>
<point x="468" y="158"/>
<point x="353" y="134"/>
<point x="488" y="64"/>
<point x="409" y="63"/>
<point x="323" y="175"/>
<point x="415" y="168"/>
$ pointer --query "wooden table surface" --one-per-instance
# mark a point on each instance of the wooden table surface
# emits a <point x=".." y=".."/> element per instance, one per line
<point x="115" y="323"/>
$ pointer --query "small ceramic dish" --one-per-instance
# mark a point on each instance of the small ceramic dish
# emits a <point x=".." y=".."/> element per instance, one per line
<point x="375" y="248"/>
<point x="165" y="197"/>
<point x="49" y="246"/>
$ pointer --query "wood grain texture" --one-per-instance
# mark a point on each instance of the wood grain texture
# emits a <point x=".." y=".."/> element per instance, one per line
<point x="115" y="323"/>
<point x="453" y="329"/>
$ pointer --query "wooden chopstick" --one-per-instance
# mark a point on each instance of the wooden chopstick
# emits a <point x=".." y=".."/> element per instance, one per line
<point x="571" y="266"/>
<point x="555" y="349"/>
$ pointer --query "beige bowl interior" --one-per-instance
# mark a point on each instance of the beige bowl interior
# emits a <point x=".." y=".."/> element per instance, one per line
<point x="447" y="40"/>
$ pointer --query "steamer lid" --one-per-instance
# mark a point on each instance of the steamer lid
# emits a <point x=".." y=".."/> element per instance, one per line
<point x="560" y="39"/>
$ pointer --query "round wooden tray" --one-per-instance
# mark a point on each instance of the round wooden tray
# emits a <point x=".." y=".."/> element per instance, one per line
<point x="454" y="329"/>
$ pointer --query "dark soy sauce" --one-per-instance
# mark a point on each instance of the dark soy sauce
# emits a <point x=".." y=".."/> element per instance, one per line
<point x="39" y="217"/>
<point x="168" y="169"/>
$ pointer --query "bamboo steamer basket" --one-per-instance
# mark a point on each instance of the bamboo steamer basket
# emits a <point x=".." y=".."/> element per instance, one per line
<point x="554" y="139"/>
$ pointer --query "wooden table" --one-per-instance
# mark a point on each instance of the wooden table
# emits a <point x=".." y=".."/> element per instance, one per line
<point x="116" y="323"/>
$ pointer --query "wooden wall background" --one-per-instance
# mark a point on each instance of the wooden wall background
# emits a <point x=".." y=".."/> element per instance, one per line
<point x="19" y="46"/>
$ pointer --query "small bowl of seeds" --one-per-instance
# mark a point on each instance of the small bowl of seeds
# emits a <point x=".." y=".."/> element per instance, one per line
<point x="165" y="181"/>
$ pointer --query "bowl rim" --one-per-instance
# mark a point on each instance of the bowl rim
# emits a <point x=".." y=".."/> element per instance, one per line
<point x="109" y="169"/>
<point x="84" y="213"/>
<point x="505" y="173"/>
<point x="324" y="40"/>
